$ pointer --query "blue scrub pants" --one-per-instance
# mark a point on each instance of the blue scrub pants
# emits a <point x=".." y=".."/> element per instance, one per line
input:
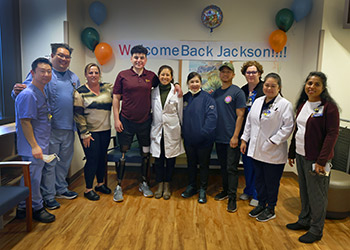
<point x="35" y="170"/>
<point x="249" y="174"/>
<point x="54" y="173"/>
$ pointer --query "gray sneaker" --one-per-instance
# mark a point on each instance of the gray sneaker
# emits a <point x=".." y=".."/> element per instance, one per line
<point x="118" y="194"/>
<point x="145" y="190"/>
<point x="244" y="197"/>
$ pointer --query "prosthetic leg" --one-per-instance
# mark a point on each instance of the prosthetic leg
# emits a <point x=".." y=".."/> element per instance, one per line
<point x="121" y="166"/>
<point x="145" y="166"/>
<point x="144" y="188"/>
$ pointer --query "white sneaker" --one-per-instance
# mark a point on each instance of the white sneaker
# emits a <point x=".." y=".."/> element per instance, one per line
<point x="145" y="190"/>
<point x="244" y="197"/>
<point x="118" y="194"/>
<point x="253" y="203"/>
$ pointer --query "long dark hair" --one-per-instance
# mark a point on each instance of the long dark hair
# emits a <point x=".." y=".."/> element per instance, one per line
<point x="324" y="95"/>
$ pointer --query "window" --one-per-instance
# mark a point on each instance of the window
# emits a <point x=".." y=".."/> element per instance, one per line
<point x="10" y="57"/>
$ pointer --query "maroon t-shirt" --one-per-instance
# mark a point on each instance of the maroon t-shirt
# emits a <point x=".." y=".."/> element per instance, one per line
<point x="136" y="93"/>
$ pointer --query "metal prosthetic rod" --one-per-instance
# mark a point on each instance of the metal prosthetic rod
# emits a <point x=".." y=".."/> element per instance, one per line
<point x="121" y="169"/>
<point x="145" y="166"/>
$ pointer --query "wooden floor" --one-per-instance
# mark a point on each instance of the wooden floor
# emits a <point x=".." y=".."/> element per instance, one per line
<point x="148" y="223"/>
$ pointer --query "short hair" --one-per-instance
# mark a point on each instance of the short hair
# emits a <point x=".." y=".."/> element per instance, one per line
<point x="248" y="64"/>
<point x="87" y="67"/>
<point x="139" y="49"/>
<point x="169" y="68"/>
<point x="192" y="75"/>
<point x="55" y="46"/>
<point x="40" y="60"/>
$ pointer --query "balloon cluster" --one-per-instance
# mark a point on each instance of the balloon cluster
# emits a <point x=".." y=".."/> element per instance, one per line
<point x="90" y="36"/>
<point x="284" y="20"/>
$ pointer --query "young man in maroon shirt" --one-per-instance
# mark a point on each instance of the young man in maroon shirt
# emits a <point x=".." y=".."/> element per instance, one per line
<point x="133" y="87"/>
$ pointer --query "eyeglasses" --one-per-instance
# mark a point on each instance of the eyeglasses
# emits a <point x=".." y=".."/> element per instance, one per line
<point x="251" y="72"/>
<point x="62" y="56"/>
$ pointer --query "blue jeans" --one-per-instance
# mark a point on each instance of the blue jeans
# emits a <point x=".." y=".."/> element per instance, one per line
<point x="54" y="173"/>
<point x="35" y="171"/>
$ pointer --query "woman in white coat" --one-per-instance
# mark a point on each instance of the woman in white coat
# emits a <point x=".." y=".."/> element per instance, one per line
<point x="269" y="124"/>
<point x="166" y="142"/>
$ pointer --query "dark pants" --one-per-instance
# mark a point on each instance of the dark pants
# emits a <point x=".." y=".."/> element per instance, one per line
<point x="199" y="156"/>
<point x="229" y="160"/>
<point x="164" y="174"/>
<point x="96" y="157"/>
<point x="142" y="131"/>
<point x="249" y="175"/>
<point x="313" y="190"/>
<point x="267" y="182"/>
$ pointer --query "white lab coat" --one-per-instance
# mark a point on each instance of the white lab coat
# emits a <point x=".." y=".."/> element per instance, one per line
<point x="275" y="126"/>
<point x="168" y="120"/>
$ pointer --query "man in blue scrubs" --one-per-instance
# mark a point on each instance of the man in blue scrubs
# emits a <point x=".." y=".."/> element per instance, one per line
<point x="60" y="94"/>
<point x="33" y="132"/>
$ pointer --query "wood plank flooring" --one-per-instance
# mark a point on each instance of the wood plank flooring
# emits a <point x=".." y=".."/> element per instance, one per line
<point x="148" y="223"/>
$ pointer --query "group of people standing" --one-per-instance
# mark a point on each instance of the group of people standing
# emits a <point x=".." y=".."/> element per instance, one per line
<point x="255" y="121"/>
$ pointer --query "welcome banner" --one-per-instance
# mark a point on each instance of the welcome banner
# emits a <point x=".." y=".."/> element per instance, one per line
<point x="196" y="50"/>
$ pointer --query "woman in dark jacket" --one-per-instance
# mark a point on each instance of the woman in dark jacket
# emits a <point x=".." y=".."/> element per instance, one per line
<point x="314" y="138"/>
<point x="198" y="129"/>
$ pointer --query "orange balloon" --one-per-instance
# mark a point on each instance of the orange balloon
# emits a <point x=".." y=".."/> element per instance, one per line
<point x="278" y="40"/>
<point x="103" y="53"/>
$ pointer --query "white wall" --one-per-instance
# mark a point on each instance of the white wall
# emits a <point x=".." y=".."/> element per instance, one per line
<point x="336" y="54"/>
<point x="41" y="24"/>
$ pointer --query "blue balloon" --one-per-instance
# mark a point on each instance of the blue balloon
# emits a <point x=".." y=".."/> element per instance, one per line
<point x="98" y="12"/>
<point x="301" y="8"/>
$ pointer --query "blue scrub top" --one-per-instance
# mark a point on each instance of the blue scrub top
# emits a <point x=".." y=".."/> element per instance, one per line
<point x="60" y="94"/>
<point x="33" y="104"/>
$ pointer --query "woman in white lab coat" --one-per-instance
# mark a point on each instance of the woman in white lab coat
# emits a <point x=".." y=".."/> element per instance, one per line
<point x="166" y="142"/>
<point x="269" y="124"/>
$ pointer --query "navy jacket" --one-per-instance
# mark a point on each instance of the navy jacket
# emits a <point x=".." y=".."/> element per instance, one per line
<point x="199" y="119"/>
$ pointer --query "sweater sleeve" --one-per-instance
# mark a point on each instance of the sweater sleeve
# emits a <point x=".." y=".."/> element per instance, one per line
<point x="332" y="131"/>
<point x="79" y="117"/>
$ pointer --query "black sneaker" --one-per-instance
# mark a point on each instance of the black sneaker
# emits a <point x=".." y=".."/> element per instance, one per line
<point x="309" y="238"/>
<point x="103" y="189"/>
<point x="231" y="206"/>
<point x="21" y="213"/>
<point x="266" y="215"/>
<point x="51" y="204"/>
<point x="43" y="216"/>
<point x="202" y="196"/>
<point x="297" y="226"/>
<point x="256" y="211"/>
<point x="221" y="196"/>
<point x="189" y="192"/>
